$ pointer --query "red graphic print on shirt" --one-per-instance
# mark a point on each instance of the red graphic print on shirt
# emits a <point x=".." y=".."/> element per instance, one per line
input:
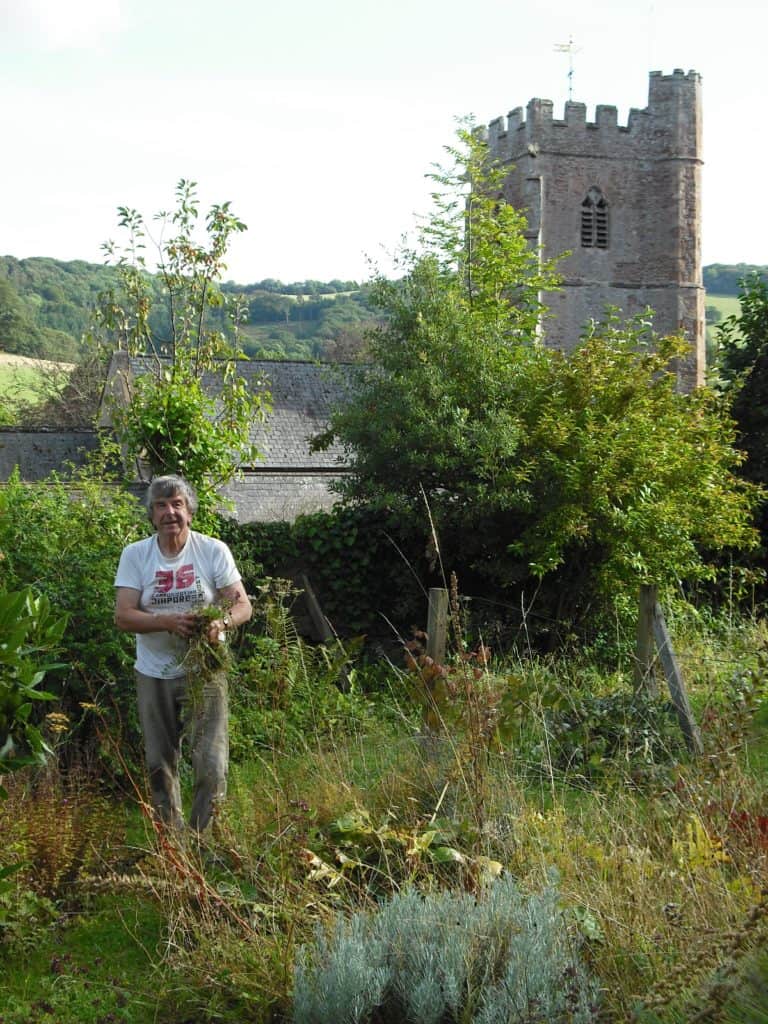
<point x="164" y="578"/>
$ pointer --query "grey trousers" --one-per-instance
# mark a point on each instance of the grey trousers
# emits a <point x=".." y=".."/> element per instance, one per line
<point x="166" y="720"/>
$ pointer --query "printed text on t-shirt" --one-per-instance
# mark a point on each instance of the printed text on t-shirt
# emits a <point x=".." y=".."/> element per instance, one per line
<point x="184" y="577"/>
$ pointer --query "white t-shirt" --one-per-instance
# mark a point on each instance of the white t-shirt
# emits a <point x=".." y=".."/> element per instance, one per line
<point x="179" y="583"/>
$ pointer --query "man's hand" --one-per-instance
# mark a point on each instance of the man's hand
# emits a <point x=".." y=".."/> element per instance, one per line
<point x="130" y="618"/>
<point x="216" y="632"/>
<point x="183" y="624"/>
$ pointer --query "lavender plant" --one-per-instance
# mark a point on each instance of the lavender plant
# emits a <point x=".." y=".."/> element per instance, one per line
<point x="494" y="957"/>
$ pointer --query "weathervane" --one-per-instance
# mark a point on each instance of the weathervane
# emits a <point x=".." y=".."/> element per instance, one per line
<point x="570" y="49"/>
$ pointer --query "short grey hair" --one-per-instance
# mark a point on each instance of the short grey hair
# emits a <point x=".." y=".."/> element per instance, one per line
<point x="168" y="487"/>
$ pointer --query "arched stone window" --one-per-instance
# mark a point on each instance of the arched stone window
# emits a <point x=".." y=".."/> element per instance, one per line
<point x="594" y="220"/>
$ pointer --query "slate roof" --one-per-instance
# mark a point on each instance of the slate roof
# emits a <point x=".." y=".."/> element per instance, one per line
<point x="37" y="453"/>
<point x="303" y="395"/>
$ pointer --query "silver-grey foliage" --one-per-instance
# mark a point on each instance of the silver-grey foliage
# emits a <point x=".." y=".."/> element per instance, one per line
<point x="498" y="957"/>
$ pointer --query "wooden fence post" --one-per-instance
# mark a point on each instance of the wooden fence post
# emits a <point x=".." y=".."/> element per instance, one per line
<point x="651" y="628"/>
<point x="675" y="682"/>
<point x="437" y="624"/>
<point x="645" y="680"/>
<point x="437" y="640"/>
<point x="322" y="627"/>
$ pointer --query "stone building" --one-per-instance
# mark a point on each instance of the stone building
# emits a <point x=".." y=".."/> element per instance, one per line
<point x="288" y="481"/>
<point x="35" y="454"/>
<point x="624" y="201"/>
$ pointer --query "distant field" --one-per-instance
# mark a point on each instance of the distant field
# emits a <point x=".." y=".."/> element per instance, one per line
<point x="21" y="378"/>
<point x="728" y="305"/>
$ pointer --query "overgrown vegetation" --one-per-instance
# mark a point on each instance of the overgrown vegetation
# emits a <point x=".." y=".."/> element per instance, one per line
<point x="497" y="835"/>
<point x="589" y="467"/>
<point x="337" y="803"/>
<point x="340" y="799"/>
<point x="63" y="541"/>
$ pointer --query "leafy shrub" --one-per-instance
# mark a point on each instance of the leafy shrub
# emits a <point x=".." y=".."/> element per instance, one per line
<point x="383" y="854"/>
<point x="363" y="563"/>
<point x="63" y="540"/>
<point x="496" y="956"/>
<point x="28" y="631"/>
<point x="173" y="421"/>
<point x="593" y="732"/>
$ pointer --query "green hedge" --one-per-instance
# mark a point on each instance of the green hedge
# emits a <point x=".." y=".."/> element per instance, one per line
<point x="366" y="565"/>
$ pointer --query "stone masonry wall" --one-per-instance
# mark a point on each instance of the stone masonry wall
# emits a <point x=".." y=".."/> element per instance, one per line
<point x="266" y="497"/>
<point x="38" y="453"/>
<point x="649" y="172"/>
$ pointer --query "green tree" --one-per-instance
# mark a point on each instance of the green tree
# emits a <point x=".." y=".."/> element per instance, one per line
<point x="743" y="375"/>
<point x="743" y="337"/>
<point x="24" y="329"/>
<point x="189" y="411"/>
<point x="533" y="459"/>
<point x="17" y="332"/>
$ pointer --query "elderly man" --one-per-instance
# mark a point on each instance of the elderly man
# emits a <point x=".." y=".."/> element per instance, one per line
<point x="162" y="583"/>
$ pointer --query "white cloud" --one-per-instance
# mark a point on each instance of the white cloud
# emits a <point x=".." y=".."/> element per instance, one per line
<point x="55" y="25"/>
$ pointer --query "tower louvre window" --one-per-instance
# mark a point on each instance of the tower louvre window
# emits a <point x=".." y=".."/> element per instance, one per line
<point x="594" y="220"/>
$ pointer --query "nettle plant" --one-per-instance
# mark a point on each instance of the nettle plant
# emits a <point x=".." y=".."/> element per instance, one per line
<point x="189" y="412"/>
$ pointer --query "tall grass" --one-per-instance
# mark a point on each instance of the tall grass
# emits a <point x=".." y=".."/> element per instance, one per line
<point x="662" y="860"/>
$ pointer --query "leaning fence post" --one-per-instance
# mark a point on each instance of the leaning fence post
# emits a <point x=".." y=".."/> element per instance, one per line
<point x="675" y="683"/>
<point x="323" y="628"/>
<point x="645" y="681"/>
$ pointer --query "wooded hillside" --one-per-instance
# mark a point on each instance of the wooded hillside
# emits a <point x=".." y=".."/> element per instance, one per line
<point x="45" y="308"/>
<point x="725" y="279"/>
<point x="46" y="304"/>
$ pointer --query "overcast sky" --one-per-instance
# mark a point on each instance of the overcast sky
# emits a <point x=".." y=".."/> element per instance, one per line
<point x="319" y="120"/>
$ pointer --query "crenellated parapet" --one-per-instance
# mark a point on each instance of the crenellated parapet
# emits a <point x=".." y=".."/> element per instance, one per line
<point x="668" y="120"/>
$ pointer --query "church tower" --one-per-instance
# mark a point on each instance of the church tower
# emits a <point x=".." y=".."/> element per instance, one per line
<point x="625" y="202"/>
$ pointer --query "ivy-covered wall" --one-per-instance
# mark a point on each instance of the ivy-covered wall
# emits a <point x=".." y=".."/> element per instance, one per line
<point x="367" y="567"/>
